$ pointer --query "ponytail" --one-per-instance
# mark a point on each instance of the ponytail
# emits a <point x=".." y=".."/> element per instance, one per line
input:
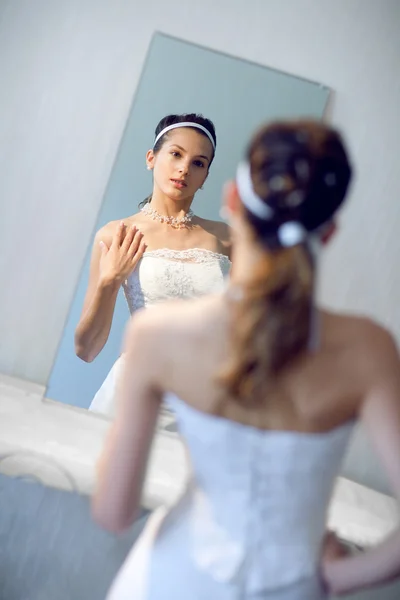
<point x="293" y="181"/>
<point x="270" y="323"/>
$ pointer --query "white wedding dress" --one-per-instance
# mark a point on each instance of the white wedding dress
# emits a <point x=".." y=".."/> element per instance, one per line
<point x="251" y="521"/>
<point x="161" y="275"/>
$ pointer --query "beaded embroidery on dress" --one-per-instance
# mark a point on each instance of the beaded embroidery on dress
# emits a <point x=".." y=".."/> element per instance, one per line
<point x="163" y="275"/>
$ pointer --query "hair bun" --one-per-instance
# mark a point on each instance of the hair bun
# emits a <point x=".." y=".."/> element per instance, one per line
<point x="301" y="171"/>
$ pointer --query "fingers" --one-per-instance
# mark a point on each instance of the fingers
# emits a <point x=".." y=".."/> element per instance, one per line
<point x="142" y="248"/>
<point x="137" y="255"/>
<point x="135" y="243"/>
<point x="333" y="548"/>
<point x="129" y="236"/>
<point x="119" y="235"/>
<point x="103" y="247"/>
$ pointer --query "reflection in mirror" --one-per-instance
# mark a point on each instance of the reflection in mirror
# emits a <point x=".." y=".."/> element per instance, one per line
<point x="186" y="169"/>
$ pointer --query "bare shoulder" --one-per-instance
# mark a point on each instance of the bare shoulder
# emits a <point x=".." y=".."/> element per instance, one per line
<point x="220" y="230"/>
<point x="374" y="345"/>
<point x="373" y="333"/>
<point x="223" y="233"/>
<point x="381" y="345"/>
<point x="107" y="232"/>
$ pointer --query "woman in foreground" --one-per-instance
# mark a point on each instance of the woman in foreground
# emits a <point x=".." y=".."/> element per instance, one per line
<point x="266" y="388"/>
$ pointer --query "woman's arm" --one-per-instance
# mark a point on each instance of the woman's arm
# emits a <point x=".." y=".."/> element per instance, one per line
<point x="116" y="252"/>
<point x="380" y="415"/>
<point x="224" y="234"/>
<point x="122" y="466"/>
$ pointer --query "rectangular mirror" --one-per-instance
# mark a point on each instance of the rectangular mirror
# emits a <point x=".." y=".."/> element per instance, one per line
<point x="178" y="77"/>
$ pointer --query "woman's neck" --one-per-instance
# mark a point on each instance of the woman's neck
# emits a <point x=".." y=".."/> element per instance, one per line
<point x="167" y="207"/>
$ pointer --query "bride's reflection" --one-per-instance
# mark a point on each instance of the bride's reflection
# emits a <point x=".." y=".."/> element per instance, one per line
<point x="164" y="251"/>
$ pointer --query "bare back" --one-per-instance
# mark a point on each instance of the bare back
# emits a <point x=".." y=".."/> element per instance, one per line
<point x="321" y="391"/>
<point x="178" y="349"/>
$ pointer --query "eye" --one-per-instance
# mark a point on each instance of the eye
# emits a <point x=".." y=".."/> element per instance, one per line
<point x="199" y="163"/>
<point x="175" y="153"/>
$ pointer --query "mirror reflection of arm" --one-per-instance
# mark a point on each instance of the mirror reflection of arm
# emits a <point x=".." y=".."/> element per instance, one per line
<point x="380" y="415"/>
<point x="94" y="325"/>
<point x="229" y="244"/>
<point x="116" y="252"/>
<point x="123" y="463"/>
<point x="224" y="234"/>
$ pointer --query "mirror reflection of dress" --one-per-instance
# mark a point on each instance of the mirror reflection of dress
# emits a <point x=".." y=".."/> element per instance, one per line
<point x="162" y="275"/>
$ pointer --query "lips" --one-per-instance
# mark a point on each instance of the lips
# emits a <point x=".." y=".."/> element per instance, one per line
<point x="179" y="183"/>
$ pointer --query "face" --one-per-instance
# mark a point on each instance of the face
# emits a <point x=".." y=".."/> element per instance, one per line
<point x="181" y="166"/>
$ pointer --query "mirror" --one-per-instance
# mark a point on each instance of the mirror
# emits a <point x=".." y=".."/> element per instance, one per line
<point x="178" y="77"/>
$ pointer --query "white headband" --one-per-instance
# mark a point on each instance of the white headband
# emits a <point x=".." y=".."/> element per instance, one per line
<point x="185" y="124"/>
<point x="290" y="233"/>
<point x="247" y="194"/>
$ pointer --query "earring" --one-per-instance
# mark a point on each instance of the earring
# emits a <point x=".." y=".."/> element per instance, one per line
<point x="148" y="168"/>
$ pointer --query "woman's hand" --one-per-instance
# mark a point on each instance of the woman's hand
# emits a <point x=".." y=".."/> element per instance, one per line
<point x="332" y="550"/>
<point x="119" y="260"/>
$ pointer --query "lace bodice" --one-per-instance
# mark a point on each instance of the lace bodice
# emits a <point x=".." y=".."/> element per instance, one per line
<point x="164" y="274"/>
<point x="256" y="506"/>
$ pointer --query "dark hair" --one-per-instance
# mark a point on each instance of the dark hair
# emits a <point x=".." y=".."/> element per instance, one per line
<point x="183" y="118"/>
<point x="301" y="171"/>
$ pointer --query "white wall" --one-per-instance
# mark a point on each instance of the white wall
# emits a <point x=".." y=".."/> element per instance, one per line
<point x="68" y="72"/>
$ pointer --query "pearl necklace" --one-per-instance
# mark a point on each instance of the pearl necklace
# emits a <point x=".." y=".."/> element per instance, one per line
<point x="175" y="222"/>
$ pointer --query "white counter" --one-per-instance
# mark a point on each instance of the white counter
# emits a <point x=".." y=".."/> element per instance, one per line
<point x="59" y="445"/>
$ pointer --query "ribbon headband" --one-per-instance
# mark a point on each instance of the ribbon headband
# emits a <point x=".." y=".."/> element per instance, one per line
<point x="290" y="233"/>
<point x="185" y="124"/>
<point x="250" y="199"/>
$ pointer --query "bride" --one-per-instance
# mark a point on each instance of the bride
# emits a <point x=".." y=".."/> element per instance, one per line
<point x="164" y="251"/>
<point x="266" y="387"/>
